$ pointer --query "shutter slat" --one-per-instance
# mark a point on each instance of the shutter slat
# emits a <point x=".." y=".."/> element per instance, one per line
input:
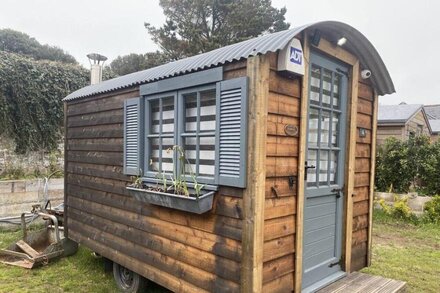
<point x="232" y="132"/>
<point x="132" y="136"/>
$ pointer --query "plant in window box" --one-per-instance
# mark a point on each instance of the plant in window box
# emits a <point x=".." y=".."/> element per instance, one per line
<point x="176" y="195"/>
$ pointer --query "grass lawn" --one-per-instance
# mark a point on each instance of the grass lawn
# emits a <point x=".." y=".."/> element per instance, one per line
<point x="78" y="273"/>
<point x="406" y="252"/>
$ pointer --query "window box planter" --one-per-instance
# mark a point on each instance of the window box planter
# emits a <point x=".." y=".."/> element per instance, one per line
<point x="192" y="204"/>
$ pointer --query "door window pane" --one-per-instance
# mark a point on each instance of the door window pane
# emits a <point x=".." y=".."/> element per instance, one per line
<point x="326" y="87"/>
<point x="323" y="167"/>
<point x="313" y="127"/>
<point x="333" y="166"/>
<point x="311" y="172"/>
<point x="315" y="85"/>
<point x="336" y="86"/>
<point x="335" y="129"/>
<point x="325" y="128"/>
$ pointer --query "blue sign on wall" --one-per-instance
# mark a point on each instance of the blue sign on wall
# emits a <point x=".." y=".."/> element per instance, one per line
<point x="296" y="55"/>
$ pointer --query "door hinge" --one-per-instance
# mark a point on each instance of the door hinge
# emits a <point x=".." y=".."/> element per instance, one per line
<point x="339" y="262"/>
<point x="338" y="191"/>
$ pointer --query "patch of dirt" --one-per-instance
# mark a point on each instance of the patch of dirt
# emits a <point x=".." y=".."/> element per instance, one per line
<point x="389" y="237"/>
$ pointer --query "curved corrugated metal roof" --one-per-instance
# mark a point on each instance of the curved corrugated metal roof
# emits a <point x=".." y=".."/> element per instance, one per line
<point x="357" y="44"/>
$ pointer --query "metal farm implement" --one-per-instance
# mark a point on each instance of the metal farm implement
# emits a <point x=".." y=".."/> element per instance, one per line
<point x="39" y="247"/>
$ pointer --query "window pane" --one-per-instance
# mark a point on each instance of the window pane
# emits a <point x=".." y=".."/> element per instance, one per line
<point x="168" y="115"/>
<point x="167" y="155"/>
<point x="189" y="145"/>
<point x="326" y="87"/>
<point x="315" y="85"/>
<point x="325" y="128"/>
<point x="190" y="112"/>
<point x="154" y="155"/>
<point x="333" y="166"/>
<point x="207" y="156"/>
<point x="323" y="167"/>
<point x="155" y="116"/>
<point x="335" y="129"/>
<point x="313" y="127"/>
<point x="311" y="172"/>
<point x="207" y="111"/>
<point x="336" y="95"/>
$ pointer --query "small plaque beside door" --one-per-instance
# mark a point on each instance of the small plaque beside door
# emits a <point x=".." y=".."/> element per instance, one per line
<point x="291" y="130"/>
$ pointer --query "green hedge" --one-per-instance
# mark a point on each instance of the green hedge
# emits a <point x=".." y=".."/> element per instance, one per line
<point x="403" y="166"/>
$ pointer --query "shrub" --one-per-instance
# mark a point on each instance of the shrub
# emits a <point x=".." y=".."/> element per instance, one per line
<point x="399" y="209"/>
<point x="405" y="165"/>
<point x="432" y="210"/>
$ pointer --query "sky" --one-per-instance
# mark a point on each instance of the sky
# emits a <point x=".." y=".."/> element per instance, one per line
<point x="405" y="33"/>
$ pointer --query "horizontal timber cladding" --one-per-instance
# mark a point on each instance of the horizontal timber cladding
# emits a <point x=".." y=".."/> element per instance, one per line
<point x="362" y="186"/>
<point x="281" y="162"/>
<point x="181" y="251"/>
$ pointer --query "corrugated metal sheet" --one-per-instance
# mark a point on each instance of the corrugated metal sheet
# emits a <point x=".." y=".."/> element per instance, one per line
<point x="397" y="113"/>
<point x="357" y="43"/>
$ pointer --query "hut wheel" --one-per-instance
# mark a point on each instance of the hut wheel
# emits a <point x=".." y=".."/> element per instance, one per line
<point x="127" y="280"/>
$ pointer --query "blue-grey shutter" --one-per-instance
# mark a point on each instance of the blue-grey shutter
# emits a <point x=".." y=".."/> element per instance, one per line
<point x="132" y="136"/>
<point x="232" y="109"/>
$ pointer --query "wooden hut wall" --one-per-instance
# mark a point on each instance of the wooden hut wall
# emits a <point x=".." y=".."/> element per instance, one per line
<point x="281" y="162"/>
<point x="362" y="184"/>
<point x="181" y="251"/>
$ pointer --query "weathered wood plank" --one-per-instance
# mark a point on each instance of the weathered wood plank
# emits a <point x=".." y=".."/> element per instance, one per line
<point x="93" y="119"/>
<point x="365" y="106"/>
<point x="279" y="207"/>
<point x="222" y="267"/>
<point x="281" y="166"/>
<point x="283" y="105"/>
<point x="98" y="131"/>
<point x="360" y="208"/>
<point x="362" y="165"/>
<point x="278" y="267"/>
<point x="361" y="193"/>
<point x="198" y="277"/>
<point x="209" y="242"/>
<point x="103" y="158"/>
<point x="253" y="196"/>
<point x="151" y="272"/>
<point x="224" y="226"/>
<point x="359" y="236"/>
<point x="281" y="146"/>
<point x="285" y="86"/>
<point x="364" y="121"/>
<point x="279" y="247"/>
<point x="280" y="187"/>
<point x="360" y="222"/>
<point x="363" y="150"/>
<point x="362" y="179"/>
<point x="282" y="284"/>
<point x="279" y="227"/>
<point x="365" y="92"/>
<point x="99" y="105"/>
<point x="103" y="171"/>
<point x="277" y="123"/>
<point x="95" y="144"/>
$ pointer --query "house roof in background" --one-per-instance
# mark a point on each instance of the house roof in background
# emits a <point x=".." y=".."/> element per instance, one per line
<point x="397" y="114"/>
<point x="435" y="126"/>
<point x="432" y="111"/>
<point x="357" y="44"/>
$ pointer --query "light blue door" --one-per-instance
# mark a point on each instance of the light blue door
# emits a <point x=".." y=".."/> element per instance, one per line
<point x="323" y="204"/>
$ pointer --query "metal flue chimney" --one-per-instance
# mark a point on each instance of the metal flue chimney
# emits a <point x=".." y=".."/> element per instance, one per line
<point x="96" y="63"/>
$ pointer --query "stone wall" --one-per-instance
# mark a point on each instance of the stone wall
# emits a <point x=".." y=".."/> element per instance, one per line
<point x="17" y="196"/>
<point x="38" y="162"/>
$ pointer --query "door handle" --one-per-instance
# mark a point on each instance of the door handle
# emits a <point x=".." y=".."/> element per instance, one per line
<point x="307" y="167"/>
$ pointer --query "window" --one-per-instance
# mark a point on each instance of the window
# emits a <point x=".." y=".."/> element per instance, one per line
<point x="209" y="122"/>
